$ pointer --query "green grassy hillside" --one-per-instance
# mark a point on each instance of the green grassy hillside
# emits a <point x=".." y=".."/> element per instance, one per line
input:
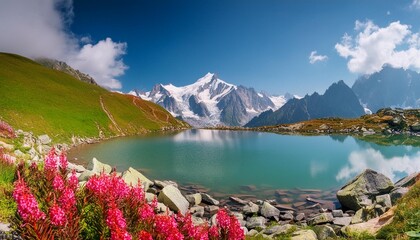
<point x="38" y="99"/>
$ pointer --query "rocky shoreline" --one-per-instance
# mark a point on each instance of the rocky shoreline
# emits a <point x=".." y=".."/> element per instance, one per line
<point x="364" y="203"/>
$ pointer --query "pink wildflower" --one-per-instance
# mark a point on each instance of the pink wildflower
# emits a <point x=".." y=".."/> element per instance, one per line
<point x="58" y="183"/>
<point x="63" y="160"/>
<point x="73" y="181"/>
<point x="57" y="215"/>
<point x="67" y="199"/>
<point x="108" y="187"/>
<point x="117" y="224"/>
<point x="27" y="205"/>
<point x="145" y="235"/>
<point x="223" y="219"/>
<point x="51" y="161"/>
<point x="214" y="232"/>
<point x="146" y="212"/>
<point x="166" y="227"/>
<point x="7" y="130"/>
<point x="189" y="229"/>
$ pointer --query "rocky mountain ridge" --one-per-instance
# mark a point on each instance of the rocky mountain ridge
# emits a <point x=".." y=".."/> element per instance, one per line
<point x="337" y="101"/>
<point x="211" y="101"/>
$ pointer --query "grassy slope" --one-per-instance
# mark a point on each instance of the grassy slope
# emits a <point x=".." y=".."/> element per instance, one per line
<point x="35" y="98"/>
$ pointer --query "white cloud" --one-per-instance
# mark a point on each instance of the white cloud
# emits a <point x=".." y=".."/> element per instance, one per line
<point x="39" y="28"/>
<point x="415" y="4"/>
<point x="373" y="159"/>
<point x="372" y="47"/>
<point x="313" y="57"/>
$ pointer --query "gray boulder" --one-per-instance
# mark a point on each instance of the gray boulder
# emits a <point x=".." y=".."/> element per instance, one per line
<point x="172" y="198"/>
<point x="342" y="221"/>
<point x="212" y="209"/>
<point x="194" y="199"/>
<point x="324" y="232"/>
<point x="250" y="208"/>
<point x="99" y="167"/>
<point x="278" y="229"/>
<point x="197" y="211"/>
<point x="363" y="188"/>
<point x="269" y="211"/>
<point x="44" y="139"/>
<point x="397" y="193"/>
<point x="84" y="176"/>
<point x="408" y="181"/>
<point x="304" y="235"/>
<point x="255" y="222"/>
<point x="384" y="201"/>
<point x="132" y="177"/>
<point x="208" y="199"/>
<point x="162" y="184"/>
<point x="321" y="218"/>
<point x="337" y="213"/>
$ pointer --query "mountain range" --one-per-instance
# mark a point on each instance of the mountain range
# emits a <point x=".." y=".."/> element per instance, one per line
<point x="211" y="101"/>
<point x="337" y="101"/>
<point x="391" y="87"/>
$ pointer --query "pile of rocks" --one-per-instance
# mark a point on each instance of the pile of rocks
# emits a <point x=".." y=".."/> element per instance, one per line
<point x="366" y="197"/>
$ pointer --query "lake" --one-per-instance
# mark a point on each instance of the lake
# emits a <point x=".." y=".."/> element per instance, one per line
<point x="252" y="163"/>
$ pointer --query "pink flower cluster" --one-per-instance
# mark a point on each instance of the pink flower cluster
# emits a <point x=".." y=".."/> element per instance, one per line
<point x="229" y="225"/>
<point x="167" y="228"/>
<point x="108" y="187"/>
<point x="26" y="203"/>
<point x="6" y="158"/>
<point x="6" y="130"/>
<point x="53" y="161"/>
<point x="57" y="215"/>
<point x="117" y="225"/>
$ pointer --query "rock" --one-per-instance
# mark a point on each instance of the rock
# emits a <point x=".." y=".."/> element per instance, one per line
<point x="362" y="188"/>
<point x="132" y="177"/>
<point x="342" y="221"/>
<point x="161" y="208"/>
<point x="149" y="197"/>
<point x="300" y="217"/>
<point x="252" y="233"/>
<point x="255" y="222"/>
<point x="162" y="184"/>
<point x="208" y="199"/>
<point x="397" y="193"/>
<point x="194" y="199"/>
<point x="250" y="209"/>
<point x="197" y="221"/>
<point x="152" y="190"/>
<point x="44" y="139"/>
<point x="99" y="167"/>
<point x="238" y="215"/>
<point x="372" y="226"/>
<point x="238" y="200"/>
<point x="77" y="168"/>
<point x="172" y="197"/>
<point x="408" y="181"/>
<point x="304" y="235"/>
<point x="86" y="175"/>
<point x="212" y="209"/>
<point x="362" y="215"/>
<point x="269" y="211"/>
<point x="287" y="216"/>
<point x="415" y="127"/>
<point x="321" y="218"/>
<point x="278" y="229"/>
<point x="324" y="232"/>
<point x="384" y="201"/>
<point x="197" y="211"/>
<point x="337" y="213"/>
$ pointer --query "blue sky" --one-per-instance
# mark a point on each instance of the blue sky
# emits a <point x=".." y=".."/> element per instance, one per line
<point x="263" y="44"/>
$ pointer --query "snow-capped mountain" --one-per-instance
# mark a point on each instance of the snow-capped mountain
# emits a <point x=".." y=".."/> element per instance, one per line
<point x="211" y="101"/>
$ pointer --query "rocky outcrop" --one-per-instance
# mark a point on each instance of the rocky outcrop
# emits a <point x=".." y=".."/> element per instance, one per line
<point x="172" y="197"/>
<point x="133" y="177"/>
<point x="362" y="190"/>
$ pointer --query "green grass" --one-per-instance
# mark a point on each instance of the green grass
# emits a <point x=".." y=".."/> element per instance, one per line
<point x="7" y="205"/>
<point x="406" y="218"/>
<point x="44" y="101"/>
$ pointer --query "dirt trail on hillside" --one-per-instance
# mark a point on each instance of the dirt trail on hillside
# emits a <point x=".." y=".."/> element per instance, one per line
<point x="110" y="117"/>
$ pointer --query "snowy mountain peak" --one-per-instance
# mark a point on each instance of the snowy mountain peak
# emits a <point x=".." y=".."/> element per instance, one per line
<point x="210" y="101"/>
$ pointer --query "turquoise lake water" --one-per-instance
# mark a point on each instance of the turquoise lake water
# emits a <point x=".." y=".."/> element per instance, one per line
<point x="226" y="161"/>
